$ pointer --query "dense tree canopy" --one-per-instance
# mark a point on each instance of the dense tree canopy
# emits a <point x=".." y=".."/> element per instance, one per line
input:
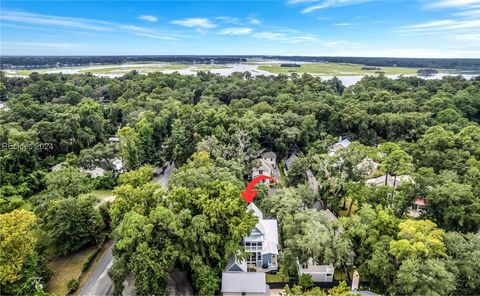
<point x="423" y="134"/>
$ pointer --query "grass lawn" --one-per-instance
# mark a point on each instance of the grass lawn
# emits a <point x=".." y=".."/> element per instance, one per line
<point x="334" y="69"/>
<point x="66" y="268"/>
<point x="276" y="278"/>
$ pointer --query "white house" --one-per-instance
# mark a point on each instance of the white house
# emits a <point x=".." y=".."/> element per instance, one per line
<point x="244" y="284"/>
<point x="268" y="167"/>
<point x="321" y="273"/>
<point x="262" y="243"/>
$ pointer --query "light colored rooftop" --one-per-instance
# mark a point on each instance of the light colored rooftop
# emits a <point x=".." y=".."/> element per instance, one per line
<point x="244" y="282"/>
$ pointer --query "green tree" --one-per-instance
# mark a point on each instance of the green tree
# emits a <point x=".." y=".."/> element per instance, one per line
<point x="17" y="243"/>
<point x="341" y="290"/>
<point x="73" y="223"/>
<point x="68" y="182"/>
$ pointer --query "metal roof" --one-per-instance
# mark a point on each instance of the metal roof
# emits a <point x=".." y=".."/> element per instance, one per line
<point x="244" y="282"/>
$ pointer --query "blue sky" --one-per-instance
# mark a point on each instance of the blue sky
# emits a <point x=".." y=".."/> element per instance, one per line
<point x="393" y="28"/>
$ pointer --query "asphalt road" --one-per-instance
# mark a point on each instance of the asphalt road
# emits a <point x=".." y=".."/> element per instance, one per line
<point x="99" y="283"/>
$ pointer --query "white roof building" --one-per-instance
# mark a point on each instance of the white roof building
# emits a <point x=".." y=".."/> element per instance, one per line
<point x="244" y="283"/>
<point x="262" y="242"/>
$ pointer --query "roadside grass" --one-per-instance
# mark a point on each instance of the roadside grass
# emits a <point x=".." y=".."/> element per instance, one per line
<point x="66" y="268"/>
<point x="337" y="69"/>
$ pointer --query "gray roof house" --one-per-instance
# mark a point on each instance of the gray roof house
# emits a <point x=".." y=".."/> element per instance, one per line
<point x="341" y="144"/>
<point x="390" y="180"/>
<point x="244" y="283"/>
<point x="262" y="243"/>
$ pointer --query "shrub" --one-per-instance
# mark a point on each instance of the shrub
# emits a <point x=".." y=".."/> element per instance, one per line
<point x="72" y="286"/>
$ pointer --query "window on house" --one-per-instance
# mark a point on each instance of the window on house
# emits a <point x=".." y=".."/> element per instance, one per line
<point x="329" y="274"/>
<point x="305" y="266"/>
<point x="260" y="172"/>
<point x="274" y="259"/>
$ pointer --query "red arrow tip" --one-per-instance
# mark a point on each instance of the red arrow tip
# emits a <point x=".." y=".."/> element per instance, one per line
<point x="249" y="195"/>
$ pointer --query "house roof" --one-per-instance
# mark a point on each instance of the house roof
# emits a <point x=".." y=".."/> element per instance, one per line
<point x="289" y="160"/>
<point x="271" y="236"/>
<point x="329" y="215"/>
<point x="343" y="142"/>
<point x="420" y="201"/>
<point x="390" y="180"/>
<point x="233" y="265"/>
<point x="314" y="268"/>
<point x="256" y="210"/>
<point x="269" y="154"/>
<point x="244" y="282"/>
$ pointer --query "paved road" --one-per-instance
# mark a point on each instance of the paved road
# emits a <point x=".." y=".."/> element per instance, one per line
<point x="99" y="283"/>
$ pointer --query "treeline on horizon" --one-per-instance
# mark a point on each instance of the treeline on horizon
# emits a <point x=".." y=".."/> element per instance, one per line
<point x="29" y="62"/>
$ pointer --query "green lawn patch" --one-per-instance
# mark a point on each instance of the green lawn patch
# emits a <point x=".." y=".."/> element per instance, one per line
<point x="277" y="278"/>
<point x="335" y="69"/>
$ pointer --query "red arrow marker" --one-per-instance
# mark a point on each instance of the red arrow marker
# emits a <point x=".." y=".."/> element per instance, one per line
<point x="249" y="192"/>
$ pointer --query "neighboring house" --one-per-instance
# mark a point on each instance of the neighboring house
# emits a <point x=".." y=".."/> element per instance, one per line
<point x="321" y="273"/>
<point x="341" y="144"/>
<point x="293" y="154"/>
<point x="262" y="243"/>
<point x="2" y="105"/>
<point x="117" y="163"/>
<point x="417" y="208"/>
<point x="244" y="284"/>
<point x="268" y="167"/>
<point x="390" y="180"/>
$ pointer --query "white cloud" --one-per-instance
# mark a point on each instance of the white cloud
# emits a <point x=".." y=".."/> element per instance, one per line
<point x="469" y="13"/>
<point x="465" y="4"/>
<point x="148" y="18"/>
<point x="443" y="25"/>
<point x="236" y="31"/>
<point x="344" y="24"/>
<point x="57" y="45"/>
<point x="254" y="21"/>
<point x="203" y="23"/>
<point x="327" y="4"/>
<point x="48" y="20"/>
<point x="229" y="20"/>
<point x="69" y="23"/>
<point x="280" y="36"/>
<point x="156" y="36"/>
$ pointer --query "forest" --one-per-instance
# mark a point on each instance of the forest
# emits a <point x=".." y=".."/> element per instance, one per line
<point x="214" y="128"/>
